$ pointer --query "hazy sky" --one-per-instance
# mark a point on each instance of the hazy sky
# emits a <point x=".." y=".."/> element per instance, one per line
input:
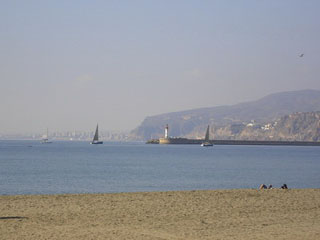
<point x="67" y="65"/>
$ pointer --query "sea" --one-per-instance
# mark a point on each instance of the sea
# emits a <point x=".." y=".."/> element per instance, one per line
<point x="29" y="167"/>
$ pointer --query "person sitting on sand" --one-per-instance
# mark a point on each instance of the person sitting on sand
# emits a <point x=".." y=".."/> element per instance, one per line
<point x="262" y="186"/>
<point x="284" y="186"/>
<point x="270" y="186"/>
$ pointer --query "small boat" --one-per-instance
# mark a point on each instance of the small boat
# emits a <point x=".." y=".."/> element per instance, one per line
<point x="96" y="137"/>
<point x="45" y="138"/>
<point x="207" y="142"/>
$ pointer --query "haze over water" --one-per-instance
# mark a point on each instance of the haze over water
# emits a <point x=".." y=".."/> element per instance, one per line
<point x="66" y="65"/>
<point x="28" y="167"/>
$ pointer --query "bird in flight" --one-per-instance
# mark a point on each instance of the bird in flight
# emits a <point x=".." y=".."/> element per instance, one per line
<point x="301" y="55"/>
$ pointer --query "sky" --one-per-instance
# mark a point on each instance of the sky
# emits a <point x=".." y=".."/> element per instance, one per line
<point x="67" y="65"/>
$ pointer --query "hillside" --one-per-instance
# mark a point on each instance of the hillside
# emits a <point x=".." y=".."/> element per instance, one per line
<point x="229" y="121"/>
<point x="293" y="127"/>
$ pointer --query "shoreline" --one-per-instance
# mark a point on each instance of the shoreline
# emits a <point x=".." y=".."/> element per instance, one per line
<point x="196" y="214"/>
<point x="146" y="192"/>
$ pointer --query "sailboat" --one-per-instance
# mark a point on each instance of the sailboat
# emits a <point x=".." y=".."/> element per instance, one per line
<point x="45" y="138"/>
<point x="206" y="142"/>
<point x="96" y="137"/>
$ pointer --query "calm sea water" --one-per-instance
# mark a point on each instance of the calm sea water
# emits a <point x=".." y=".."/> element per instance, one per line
<point x="28" y="167"/>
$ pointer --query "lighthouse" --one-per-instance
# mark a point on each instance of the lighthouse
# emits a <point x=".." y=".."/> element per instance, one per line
<point x="166" y="131"/>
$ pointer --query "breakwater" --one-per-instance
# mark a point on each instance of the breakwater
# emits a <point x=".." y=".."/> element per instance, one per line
<point x="231" y="142"/>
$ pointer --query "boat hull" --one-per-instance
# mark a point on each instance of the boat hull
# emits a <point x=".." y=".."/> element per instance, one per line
<point x="97" y="142"/>
<point x="206" y="145"/>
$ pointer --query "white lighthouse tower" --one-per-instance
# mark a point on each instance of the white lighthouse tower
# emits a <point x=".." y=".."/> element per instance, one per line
<point x="166" y="131"/>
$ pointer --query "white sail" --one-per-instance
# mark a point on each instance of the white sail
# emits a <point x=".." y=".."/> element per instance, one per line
<point x="45" y="138"/>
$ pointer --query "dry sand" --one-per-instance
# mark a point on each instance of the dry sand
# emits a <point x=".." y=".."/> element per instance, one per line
<point x="226" y="214"/>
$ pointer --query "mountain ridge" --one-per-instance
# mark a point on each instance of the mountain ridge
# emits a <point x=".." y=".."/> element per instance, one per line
<point x="263" y="110"/>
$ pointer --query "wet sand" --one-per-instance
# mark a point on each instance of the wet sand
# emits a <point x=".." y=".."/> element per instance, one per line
<point x="219" y="214"/>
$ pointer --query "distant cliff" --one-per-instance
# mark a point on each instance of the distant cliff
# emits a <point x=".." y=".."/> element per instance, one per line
<point x="242" y="121"/>
<point x="293" y="127"/>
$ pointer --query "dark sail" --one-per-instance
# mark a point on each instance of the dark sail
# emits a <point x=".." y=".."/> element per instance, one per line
<point x="96" y="135"/>
<point x="206" y="142"/>
<point x="207" y="135"/>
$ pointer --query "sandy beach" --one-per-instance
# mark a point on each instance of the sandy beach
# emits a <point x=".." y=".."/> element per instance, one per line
<point x="217" y="214"/>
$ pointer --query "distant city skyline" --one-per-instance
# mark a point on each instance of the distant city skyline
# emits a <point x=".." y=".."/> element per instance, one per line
<point x="68" y="65"/>
<point x="68" y="136"/>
